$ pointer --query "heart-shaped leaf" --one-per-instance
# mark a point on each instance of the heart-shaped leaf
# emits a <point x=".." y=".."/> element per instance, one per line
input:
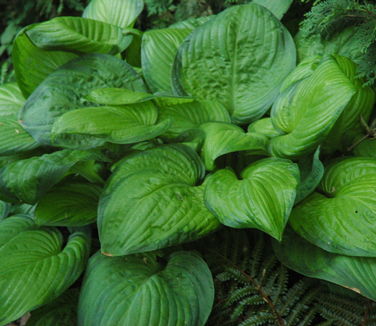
<point x="35" y="269"/>
<point x="262" y="199"/>
<point x="239" y="58"/>
<point x="152" y="201"/>
<point x="354" y="273"/>
<point x="140" y="290"/>
<point x="340" y="217"/>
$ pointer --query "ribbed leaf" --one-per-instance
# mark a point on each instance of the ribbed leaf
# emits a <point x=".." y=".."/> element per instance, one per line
<point x="191" y="23"/>
<point x="29" y="179"/>
<point x="308" y="110"/>
<point x="224" y="138"/>
<point x="262" y="199"/>
<point x="239" y="58"/>
<point x="32" y="65"/>
<point x="65" y="90"/>
<point x="60" y="312"/>
<point x="122" y="13"/>
<point x="76" y="34"/>
<point x="35" y="269"/>
<point x="340" y="218"/>
<point x="120" y="125"/>
<point x="11" y="100"/>
<point x="68" y="204"/>
<point x="158" y="51"/>
<point x="4" y="209"/>
<point x="142" y="291"/>
<point x="354" y="273"/>
<point x="151" y="201"/>
<point x="264" y="127"/>
<point x="278" y="8"/>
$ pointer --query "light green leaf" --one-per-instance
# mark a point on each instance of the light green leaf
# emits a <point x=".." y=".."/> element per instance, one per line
<point x="143" y="291"/>
<point x="239" y="58"/>
<point x="224" y="138"/>
<point x="35" y="267"/>
<point x="264" y="127"/>
<point x="354" y="273"/>
<point x="158" y="51"/>
<point x="262" y="199"/>
<point x="308" y="110"/>
<point x="11" y="100"/>
<point x="120" y="125"/>
<point x="366" y="148"/>
<point x="65" y="90"/>
<point x="29" y="179"/>
<point x="32" y="65"/>
<point x="76" y="34"/>
<point x="61" y="312"/>
<point x="191" y="23"/>
<point x="68" y="204"/>
<point x="340" y="217"/>
<point x="152" y="201"/>
<point x="122" y="13"/>
<point x="278" y="8"/>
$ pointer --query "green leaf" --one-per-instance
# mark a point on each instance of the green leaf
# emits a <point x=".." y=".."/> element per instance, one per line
<point x="235" y="62"/>
<point x="68" y="204"/>
<point x="354" y="273"/>
<point x="29" y="179"/>
<point x="264" y="127"/>
<point x="339" y="218"/>
<point x="76" y="34"/>
<point x="278" y="8"/>
<point x="366" y="148"/>
<point x="158" y="51"/>
<point x="143" y="291"/>
<point x="308" y="110"/>
<point x="191" y="23"/>
<point x="262" y="199"/>
<point x="224" y="138"/>
<point x="4" y="209"/>
<point x="122" y="13"/>
<point x="65" y="90"/>
<point x="311" y="173"/>
<point x="62" y="311"/>
<point x="152" y="201"/>
<point x="120" y="125"/>
<point x="32" y="65"/>
<point x="11" y="100"/>
<point x="36" y="268"/>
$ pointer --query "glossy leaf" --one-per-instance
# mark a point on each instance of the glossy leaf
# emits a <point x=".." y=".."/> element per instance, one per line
<point x="122" y="13"/>
<point x="4" y="209"/>
<point x="65" y="90"/>
<point x="262" y="199"/>
<point x="278" y="8"/>
<point x="264" y="127"/>
<point x="152" y="201"/>
<point x="11" y="100"/>
<point x="158" y="51"/>
<point x="191" y="23"/>
<point x="143" y="291"/>
<point x="35" y="267"/>
<point x="68" y="204"/>
<point x="239" y="58"/>
<point x="354" y="273"/>
<point x="224" y="138"/>
<point x="29" y="179"/>
<point x="76" y="34"/>
<point x="340" y="217"/>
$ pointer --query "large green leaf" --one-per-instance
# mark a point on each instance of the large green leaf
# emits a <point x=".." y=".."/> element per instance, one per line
<point x="278" y="8"/>
<point x="239" y="57"/>
<point x="224" y="138"/>
<point x="262" y="199"/>
<point x="60" y="312"/>
<point x="65" y="90"/>
<point x="191" y="23"/>
<point x="354" y="273"/>
<point x="366" y="148"/>
<point x="158" y="51"/>
<point x="32" y="65"/>
<point x="308" y="110"/>
<point x="29" y="179"/>
<point x="35" y="267"/>
<point x="122" y="13"/>
<point x="4" y="209"/>
<point x="152" y="201"/>
<point x="11" y="100"/>
<point x="340" y="217"/>
<point x="121" y="125"/>
<point x="264" y="127"/>
<point x="143" y="291"/>
<point x="76" y="34"/>
<point x="68" y="204"/>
